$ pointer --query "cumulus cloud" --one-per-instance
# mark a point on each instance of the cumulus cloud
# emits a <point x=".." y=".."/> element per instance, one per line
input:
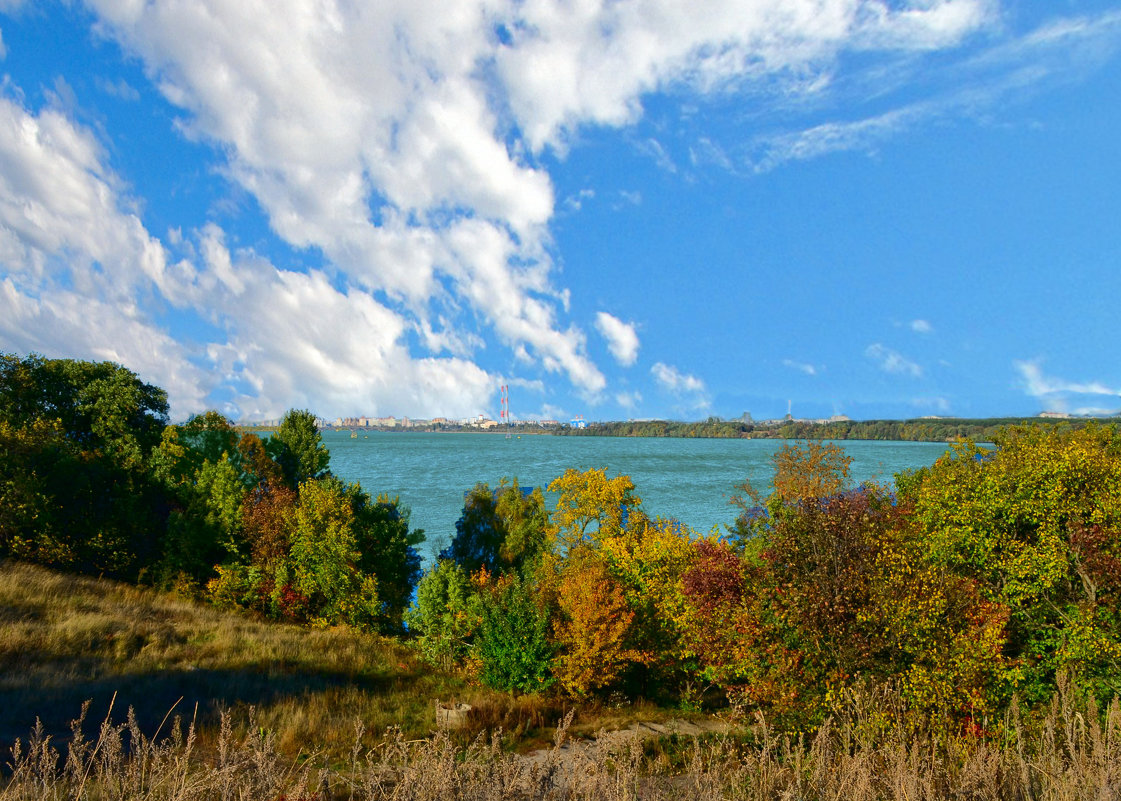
<point x="801" y="367"/>
<point x="76" y="257"/>
<point x="622" y="340"/>
<point x="922" y="327"/>
<point x="296" y="336"/>
<point x="327" y="110"/>
<point x="628" y="400"/>
<point x="891" y="361"/>
<point x="77" y="261"/>
<point x="403" y="141"/>
<point x="674" y="380"/>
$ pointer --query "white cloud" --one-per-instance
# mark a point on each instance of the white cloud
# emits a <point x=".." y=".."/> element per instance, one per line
<point x="622" y="340"/>
<point x="654" y="149"/>
<point x="629" y="198"/>
<point x="674" y="380"/>
<point x="1053" y="53"/>
<point x="801" y="367"/>
<point x="891" y="361"/>
<point x="401" y="140"/>
<point x="706" y="152"/>
<point x="76" y="258"/>
<point x="79" y="264"/>
<point x="579" y="63"/>
<point x="1096" y="411"/>
<point x="302" y="340"/>
<point x="1057" y="390"/>
<point x="324" y="110"/>
<point x="3" y="48"/>
<point x="628" y="400"/>
<point x="832" y="137"/>
<point x="922" y="327"/>
<point x="576" y="202"/>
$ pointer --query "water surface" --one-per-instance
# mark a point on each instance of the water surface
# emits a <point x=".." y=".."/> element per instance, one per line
<point x="687" y="479"/>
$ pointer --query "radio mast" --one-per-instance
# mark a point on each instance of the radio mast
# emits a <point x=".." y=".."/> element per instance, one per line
<point x="504" y="415"/>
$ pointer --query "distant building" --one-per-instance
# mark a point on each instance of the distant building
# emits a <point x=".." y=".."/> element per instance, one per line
<point x="1055" y="415"/>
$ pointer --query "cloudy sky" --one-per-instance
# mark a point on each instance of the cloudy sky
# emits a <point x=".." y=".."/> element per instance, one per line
<point x="619" y="208"/>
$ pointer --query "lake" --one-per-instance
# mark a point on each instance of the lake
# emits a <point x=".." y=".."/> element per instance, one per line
<point x="687" y="479"/>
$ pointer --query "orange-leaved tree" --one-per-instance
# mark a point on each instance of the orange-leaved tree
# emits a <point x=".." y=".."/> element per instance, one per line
<point x="594" y="627"/>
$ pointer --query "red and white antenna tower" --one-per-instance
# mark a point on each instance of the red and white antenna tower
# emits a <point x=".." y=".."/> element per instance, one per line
<point x="505" y="413"/>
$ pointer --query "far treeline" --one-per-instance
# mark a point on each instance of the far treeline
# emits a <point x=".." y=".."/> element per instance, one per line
<point x="987" y="582"/>
<point x="942" y="429"/>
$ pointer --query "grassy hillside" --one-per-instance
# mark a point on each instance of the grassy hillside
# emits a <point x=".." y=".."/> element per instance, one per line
<point x="65" y="640"/>
<point x="289" y="712"/>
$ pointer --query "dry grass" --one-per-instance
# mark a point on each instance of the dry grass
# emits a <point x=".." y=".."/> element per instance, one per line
<point x="1075" y="754"/>
<point x="267" y="712"/>
<point x="66" y="640"/>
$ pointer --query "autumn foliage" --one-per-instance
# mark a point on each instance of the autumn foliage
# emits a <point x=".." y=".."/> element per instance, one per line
<point x="981" y="579"/>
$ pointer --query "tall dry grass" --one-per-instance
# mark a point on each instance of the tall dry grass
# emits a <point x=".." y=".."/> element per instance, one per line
<point x="65" y="640"/>
<point x="1074" y="752"/>
<point x="266" y="712"/>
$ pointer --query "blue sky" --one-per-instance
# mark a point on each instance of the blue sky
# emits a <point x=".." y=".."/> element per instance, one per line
<point x="621" y="209"/>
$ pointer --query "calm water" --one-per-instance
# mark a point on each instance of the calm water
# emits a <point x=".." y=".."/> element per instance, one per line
<point x="687" y="479"/>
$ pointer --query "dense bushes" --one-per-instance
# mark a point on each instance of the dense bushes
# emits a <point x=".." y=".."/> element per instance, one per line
<point x="94" y="480"/>
<point x="266" y="527"/>
<point x="984" y="577"/>
<point x="75" y="491"/>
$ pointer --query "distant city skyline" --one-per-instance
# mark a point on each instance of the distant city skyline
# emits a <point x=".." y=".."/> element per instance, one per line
<point x="621" y="210"/>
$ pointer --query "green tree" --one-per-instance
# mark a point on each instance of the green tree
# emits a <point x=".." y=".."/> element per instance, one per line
<point x="207" y="530"/>
<point x="100" y="406"/>
<point x="325" y="558"/>
<point x="298" y="448"/>
<point x="499" y="530"/>
<point x="513" y="640"/>
<point x="76" y="440"/>
<point x="1036" y="523"/>
<point x="446" y="615"/>
<point x="388" y="551"/>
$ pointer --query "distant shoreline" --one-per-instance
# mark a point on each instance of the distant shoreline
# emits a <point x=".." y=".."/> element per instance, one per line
<point x="914" y="430"/>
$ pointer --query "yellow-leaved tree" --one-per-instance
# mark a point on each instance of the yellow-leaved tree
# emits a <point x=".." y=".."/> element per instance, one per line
<point x="595" y="625"/>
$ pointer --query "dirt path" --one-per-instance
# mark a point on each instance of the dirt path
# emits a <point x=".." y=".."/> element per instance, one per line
<point x="621" y="740"/>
